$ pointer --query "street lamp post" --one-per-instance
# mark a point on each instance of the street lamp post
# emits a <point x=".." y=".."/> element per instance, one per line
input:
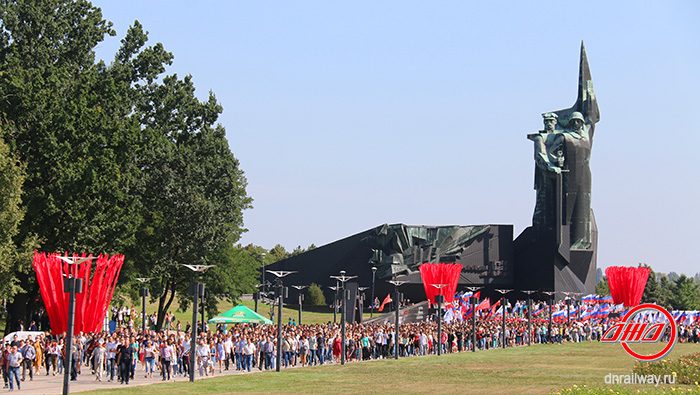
<point x="201" y="296"/>
<point x="144" y="294"/>
<point x="503" y="292"/>
<point x="258" y="294"/>
<point x="567" y="302"/>
<point x="263" y="282"/>
<point x="439" y="300"/>
<point x="361" y="301"/>
<point x="397" y="284"/>
<point x="577" y="304"/>
<point x="73" y="285"/>
<point x="371" y="311"/>
<point x="551" y="306"/>
<point x="198" y="269"/>
<point x="335" y="301"/>
<point x="280" y="300"/>
<point x="529" y="316"/>
<point x="474" y="301"/>
<point x="335" y="290"/>
<point x="301" y="299"/>
<point x="342" y="279"/>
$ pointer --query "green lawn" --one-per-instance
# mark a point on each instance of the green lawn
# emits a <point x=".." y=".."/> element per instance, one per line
<point x="523" y="370"/>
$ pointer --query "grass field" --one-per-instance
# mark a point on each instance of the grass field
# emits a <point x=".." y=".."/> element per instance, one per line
<point x="534" y="370"/>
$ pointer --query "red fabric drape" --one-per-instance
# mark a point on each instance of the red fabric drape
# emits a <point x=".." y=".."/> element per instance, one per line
<point x="440" y="273"/>
<point x="91" y="304"/>
<point x="627" y="284"/>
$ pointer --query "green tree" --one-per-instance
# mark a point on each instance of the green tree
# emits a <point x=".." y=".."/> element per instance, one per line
<point x="71" y="131"/>
<point x="276" y="253"/>
<point x="118" y="157"/>
<point x="235" y="273"/>
<point x="315" y="295"/>
<point x="11" y="178"/>
<point x="194" y="190"/>
<point x="687" y="295"/>
<point x="602" y="287"/>
<point x="651" y="290"/>
<point x="297" y="251"/>
<point x="666" y="292"/>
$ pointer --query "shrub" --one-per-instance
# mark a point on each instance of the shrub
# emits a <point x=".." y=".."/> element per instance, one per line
<point x="315" y="295"/>
<point x="686" y="368"/>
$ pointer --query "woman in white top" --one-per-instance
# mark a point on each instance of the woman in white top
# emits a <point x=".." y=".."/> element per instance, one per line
<point x="149" y="357"/>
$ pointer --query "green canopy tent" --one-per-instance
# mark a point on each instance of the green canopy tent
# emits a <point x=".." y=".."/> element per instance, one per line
<point x="238" y="315"/>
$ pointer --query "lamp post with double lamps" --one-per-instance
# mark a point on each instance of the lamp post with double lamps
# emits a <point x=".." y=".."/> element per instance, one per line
<point x="529" y="316"/>
<point x="503" y="293"/>
<point x="198" y="289"/>
<point x="264" y="283"/>
<point x="72" y="285"/>
<point x="300" y="297"/>
<point x="397" y="296"/>
<point x="577" y="305"/>
<point x="144" y="294"/>
<point x="371" y="311"/>
<point x="567" y="302"/>
<point x="551" y="307"/>
<point x="361" y="301"/>
<point x="474" y="301"/>
<point x="259" y="294"/>
<point x="439" y="300"/>
<point x="342" y="279"/>
<point x="280" y="274"/>
<point x="335" y="301"/>
<point x="335" y="290"/>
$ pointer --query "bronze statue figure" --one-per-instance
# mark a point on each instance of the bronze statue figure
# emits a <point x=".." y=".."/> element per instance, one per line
<point x="562" y="152"/>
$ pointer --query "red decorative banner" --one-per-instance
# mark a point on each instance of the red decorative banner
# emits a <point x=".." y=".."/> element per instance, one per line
<point x="99" y="281"/>
<point x="627" y="284"/>
<point x="440" y="273"/>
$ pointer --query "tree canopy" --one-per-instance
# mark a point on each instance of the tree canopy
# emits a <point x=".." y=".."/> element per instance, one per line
<point x="118" y="157"/>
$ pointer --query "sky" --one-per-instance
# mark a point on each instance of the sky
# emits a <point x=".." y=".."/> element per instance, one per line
<point x="349" y="115"/>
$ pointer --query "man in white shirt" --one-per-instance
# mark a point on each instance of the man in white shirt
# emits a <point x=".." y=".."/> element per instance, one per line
<point x="111" y="357"/>
<point x="248" y="351"/>
<point x="228" y="348"/>
<point x="203" y="354"/>
<point x="14" y="359"/>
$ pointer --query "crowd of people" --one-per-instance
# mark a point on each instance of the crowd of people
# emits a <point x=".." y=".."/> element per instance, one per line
<point x="126" y="353"/>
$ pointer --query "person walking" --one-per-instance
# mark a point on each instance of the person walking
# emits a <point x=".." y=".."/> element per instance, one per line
<point x="52" y="352"/>
<point x="203" y="354"/>
<point x="111" y="348"/>
<point x="14" y="359"/>
<point x="166" y="356"/>
<point x="28" y="355"/>
<point x="249" y="351"/>
<point x="99" y="355"/>
<point x="125" y="354"/>
<point x="4" y="357"/>
<point x="149" y="357"/>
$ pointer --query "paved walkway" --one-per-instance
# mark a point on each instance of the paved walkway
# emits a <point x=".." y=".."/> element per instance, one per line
<point x="50" y="385"/>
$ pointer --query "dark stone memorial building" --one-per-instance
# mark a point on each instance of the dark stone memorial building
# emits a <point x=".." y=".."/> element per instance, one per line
<point x="556" y="253"/>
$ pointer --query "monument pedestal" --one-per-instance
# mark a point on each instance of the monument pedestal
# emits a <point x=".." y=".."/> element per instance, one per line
<point x="540" y="264"/>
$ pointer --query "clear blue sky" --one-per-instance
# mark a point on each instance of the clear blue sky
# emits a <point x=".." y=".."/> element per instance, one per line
<point x="347" y="115"/>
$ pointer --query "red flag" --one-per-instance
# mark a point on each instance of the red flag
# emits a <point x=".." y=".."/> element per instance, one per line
<point x="477" y="295"/>
<point x="386" y="300"/>
<point x="485" y="304"/>
<point x="495" y="306"/>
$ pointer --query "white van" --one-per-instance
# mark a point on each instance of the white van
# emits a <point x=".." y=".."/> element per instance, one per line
<point x="21" y="335"/>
